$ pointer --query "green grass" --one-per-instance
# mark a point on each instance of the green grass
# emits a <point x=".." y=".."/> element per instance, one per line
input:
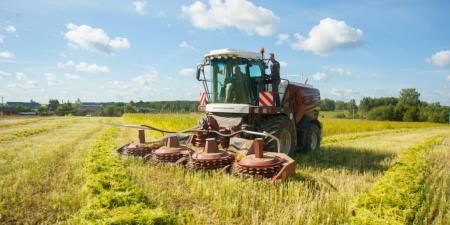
<point x="112" y="199"/>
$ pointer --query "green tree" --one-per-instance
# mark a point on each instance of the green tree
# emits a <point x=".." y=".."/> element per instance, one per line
<point x="352" y="108"/>
<point x="327" y="105"/>
<point x="42" y="110"/>
<point x="409" y="97"/>
<point x="411" y="114"/>
<point x="381" y="113"/>
<point x="408" y="104"/>
<point x="53" y="105"/>
<point x="340" y="105"/>
<point x="129" y="108"/>
<point x="64" y="109"/>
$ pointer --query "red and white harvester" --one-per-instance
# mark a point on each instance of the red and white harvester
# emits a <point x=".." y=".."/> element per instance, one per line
<point x="242" y="130"/>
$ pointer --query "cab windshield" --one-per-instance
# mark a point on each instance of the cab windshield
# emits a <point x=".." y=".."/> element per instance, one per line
<point x="233" y="80"/>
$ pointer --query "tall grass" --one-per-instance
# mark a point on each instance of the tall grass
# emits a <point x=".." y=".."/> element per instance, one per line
<point x="112" y="199"/>
<point x="399" y="196"/>
<point x="331" y="126"/>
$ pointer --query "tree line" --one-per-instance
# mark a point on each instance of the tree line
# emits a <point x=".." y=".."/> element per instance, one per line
<point x="78" y="108"/>
<point x="406" y="107"/>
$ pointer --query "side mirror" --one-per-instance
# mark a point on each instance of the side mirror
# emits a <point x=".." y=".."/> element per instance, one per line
<point x="198" y="73"/>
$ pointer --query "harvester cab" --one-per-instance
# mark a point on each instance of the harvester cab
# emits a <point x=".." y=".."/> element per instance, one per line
<point x="242" y="129"/>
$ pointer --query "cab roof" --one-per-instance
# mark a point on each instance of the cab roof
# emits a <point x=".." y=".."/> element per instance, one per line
<point x="227" y="52"/>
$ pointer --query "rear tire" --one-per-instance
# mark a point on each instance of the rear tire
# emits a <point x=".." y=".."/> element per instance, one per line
<point x="313" y="138"/>
<point x="282" y="128"/>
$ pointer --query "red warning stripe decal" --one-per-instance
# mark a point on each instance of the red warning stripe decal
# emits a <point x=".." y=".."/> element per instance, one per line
<point x="265" y="98"/>
<point x="203" y="98"/>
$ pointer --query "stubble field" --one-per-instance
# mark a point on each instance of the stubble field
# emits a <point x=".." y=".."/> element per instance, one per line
<point x="64" y="170"/>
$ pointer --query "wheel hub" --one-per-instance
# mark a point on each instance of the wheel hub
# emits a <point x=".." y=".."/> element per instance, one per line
<point x="314" y="140"/>
<point x="285" y="141"/>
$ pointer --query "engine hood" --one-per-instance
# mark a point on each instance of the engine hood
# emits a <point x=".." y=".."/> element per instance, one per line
<point x="228" y="108"/>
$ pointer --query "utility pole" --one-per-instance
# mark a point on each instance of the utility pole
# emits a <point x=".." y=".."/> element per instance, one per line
<point x="1" y="113"/>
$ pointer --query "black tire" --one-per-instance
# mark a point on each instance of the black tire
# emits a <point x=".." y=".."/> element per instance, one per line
<point x="283" y="128"/>
<point x="313" y="138"/>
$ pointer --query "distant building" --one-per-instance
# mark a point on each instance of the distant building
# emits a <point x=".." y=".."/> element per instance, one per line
<point x="29" y="105"/>
<point x="28" y="114"/>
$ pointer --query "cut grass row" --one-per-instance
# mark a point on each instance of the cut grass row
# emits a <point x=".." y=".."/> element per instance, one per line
<point x="41" y="179"/>
<point x="39" y="128"/>
<point x="112" y="199"/>
<point x="413" y="191"/>
<point x="5" y="123"/>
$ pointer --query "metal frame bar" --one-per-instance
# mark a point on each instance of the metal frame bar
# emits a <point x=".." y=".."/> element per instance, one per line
<point x="195" y="129"/>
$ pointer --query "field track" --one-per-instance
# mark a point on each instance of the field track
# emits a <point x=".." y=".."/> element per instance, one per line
<point x="49" y="175"/>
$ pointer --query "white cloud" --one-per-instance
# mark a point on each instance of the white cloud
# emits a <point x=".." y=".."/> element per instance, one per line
<point x="337" y="70"/>
<point x="70" y="76"/>
<point x="21" y="76"/>
<point x="328" y="36"/>
<point x="319" y="76"/>
<point x="327" y="72"/>
<point x="283" y="64"/>
<point x="187" y="72"/>
<point x="282" y="38"/>
<point x="440" y="58"/>
<point x="66" y="64"/>
<point x="4" y="74"/>
<point x="2" y="39"/>
<point x="184" y="44"/>
<point x="241" y="14"/>
<point x="94" y="39"/>
<point x="347" y="93"/>
<point x="92" y="68"/>
<point x="52" y="80"/>
<point x="139" y="6"/>
<point x="146" y="79"/>
<point x="120" y="85"/>
<point x="448" y="77"/>
<point x="85" y="67"/>
<point x="23" y="82"/>
<point x="6" y="55"/>
<point x="10" y="29"/>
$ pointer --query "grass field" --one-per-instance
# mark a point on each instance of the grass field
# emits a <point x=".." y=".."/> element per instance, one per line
<point x="64" y="170"/>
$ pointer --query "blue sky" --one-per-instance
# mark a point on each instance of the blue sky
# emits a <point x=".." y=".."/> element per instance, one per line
<point x="147" y="50"/>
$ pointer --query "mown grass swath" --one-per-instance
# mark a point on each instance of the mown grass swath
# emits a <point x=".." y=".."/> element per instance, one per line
<point x="112" y="199"/>
<point x="11" y="122"/>
<point x="398" y="197"/>
<point x="37" y="128"/>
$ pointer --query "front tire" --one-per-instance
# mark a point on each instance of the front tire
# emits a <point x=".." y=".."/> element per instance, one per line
<point x="282" y="128"/>
<point x="313" y="138"/>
